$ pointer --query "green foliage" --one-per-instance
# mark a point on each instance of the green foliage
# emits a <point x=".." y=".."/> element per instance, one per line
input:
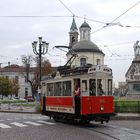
<point x="127" y="106"/>
<point x="11" y="101"/>
<point x="37" y="107"/>
<point x="14" y="88"/>
<point x="5" y="86"/>
<point x="8" y="87"/>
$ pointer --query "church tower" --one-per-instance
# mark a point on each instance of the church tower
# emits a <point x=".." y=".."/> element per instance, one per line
<point x="87" y="51"/>
<point x="85" y="30"/>
<point x="73" y="34"/>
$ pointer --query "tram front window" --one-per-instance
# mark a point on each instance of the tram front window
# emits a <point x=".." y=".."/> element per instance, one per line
<point x="100" y="90"/>
<point x="92" y="87"/>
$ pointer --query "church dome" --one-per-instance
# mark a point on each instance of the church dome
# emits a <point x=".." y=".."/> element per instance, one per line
<point x="85" y="24"/>
<point x="85" y="46"/>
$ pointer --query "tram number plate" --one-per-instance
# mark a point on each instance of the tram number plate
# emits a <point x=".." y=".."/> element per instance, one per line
<point x="102" y="101"/>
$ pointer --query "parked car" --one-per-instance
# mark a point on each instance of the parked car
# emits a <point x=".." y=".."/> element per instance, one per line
<point x="29" y="98"/>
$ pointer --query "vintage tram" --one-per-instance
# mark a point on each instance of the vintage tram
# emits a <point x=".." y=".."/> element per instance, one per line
<point x="95" y="100"/>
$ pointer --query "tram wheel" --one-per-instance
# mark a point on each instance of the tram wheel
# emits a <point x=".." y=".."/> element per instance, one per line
<point x="56" y="119"/>
<point x="84" y="121"/>
<point x="102" y="122"/>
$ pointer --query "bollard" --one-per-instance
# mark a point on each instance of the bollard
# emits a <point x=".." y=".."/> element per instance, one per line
<point x="21" y="107"/>
<point x="9" y="107"/>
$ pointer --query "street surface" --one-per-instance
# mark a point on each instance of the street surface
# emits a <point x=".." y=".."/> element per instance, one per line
<point x="16" y="126"/>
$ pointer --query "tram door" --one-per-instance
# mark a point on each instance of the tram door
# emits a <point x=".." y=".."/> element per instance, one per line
<point x="77" y="96"/>
<point x="85" y="97"/>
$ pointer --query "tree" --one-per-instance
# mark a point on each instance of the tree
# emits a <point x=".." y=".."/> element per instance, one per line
<point x="5" y="86"/>
<point x="8" y="87"/>
<point x="45" y="70"/>
<point x="14" y="88"/>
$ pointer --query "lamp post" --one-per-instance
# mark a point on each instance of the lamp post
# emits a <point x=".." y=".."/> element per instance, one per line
<point x="42" y="49"/>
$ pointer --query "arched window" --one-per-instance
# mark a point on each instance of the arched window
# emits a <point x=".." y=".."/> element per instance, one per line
<point x="73" y="39"/>
<point x="82" y="61"/>
<point x="98" y="62"/>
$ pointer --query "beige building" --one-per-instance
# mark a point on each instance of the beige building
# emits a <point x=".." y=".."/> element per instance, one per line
<point x="87" y="51"/>
<point x="19" y="73"/>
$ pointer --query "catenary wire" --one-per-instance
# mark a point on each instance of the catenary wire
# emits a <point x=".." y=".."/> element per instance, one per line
<point x="66" y="7"/>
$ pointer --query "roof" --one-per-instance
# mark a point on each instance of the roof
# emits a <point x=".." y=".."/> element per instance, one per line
<point x="17" y="69"/>
<point x="73" y="25"/>
<point x="85" y="24"/>
<point x="85" y="46"/>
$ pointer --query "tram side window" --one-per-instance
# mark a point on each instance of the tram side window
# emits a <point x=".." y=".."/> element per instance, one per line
<point x="57" y="89"/>
<point x="66" y="86"/>
<point x="84" y="88"/>
<point x="50" y="89"/>
<point x="100" y="87"/>
<point x="44" y="89"/>
<point x="109" y="86"/>
<point x="92" y="87"/>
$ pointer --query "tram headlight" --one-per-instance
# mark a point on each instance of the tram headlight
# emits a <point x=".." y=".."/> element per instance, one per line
<point x="102" y="108"/>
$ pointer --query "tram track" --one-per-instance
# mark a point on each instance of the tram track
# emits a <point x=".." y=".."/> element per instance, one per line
<point x="115" y="132"/>
<point x="97" y="130"/>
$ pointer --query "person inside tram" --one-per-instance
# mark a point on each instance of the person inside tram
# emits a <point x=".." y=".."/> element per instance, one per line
<point x="92" y="88"/>
<point x="77" y="91"/>
<point x="77" y="94"/>
<point x="100" y="89"/>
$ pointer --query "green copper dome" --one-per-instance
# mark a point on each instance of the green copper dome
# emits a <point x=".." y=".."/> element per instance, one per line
<point x="85" y="46"/>
<point x="85" y="24"/>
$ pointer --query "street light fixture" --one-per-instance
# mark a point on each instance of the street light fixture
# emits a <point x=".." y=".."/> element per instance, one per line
<point x="42" y="49"/>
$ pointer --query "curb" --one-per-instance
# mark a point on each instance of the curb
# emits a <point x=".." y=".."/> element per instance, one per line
<point x="24" y="112"/>
<point x="137" y="117"/>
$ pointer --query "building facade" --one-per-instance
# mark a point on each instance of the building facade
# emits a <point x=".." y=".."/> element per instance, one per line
<point x="19" y="73"/>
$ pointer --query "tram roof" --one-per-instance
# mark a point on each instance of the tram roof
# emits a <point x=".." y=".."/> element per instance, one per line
<point x="96" y="72"/>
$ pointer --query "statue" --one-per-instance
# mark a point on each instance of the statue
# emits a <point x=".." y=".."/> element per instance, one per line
<point x="136" y="49"/>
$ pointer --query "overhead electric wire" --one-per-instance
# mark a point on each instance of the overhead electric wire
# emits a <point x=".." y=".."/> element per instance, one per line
<point x="89" y="19"/>
<point x="117" y="44"/>
<point x="132" y="26"/>
<point x="107" y="24"/>
<point x="34" y="16"/>
<point x="113" y="59"/>
<point x="125" y="11"/>
<point x="66" y="7"/>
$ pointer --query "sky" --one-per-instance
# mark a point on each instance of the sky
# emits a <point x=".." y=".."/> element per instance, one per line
<point x="22" y="22"/>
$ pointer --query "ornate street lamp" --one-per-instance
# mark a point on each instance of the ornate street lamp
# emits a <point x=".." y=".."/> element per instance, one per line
<point x="42" y="49"/>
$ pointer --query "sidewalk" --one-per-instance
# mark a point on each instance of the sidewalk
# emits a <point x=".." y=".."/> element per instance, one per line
<point x="126" y="116"/>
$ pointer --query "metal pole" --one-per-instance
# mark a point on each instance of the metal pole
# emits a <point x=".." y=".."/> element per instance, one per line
<point x="40" y="52"/>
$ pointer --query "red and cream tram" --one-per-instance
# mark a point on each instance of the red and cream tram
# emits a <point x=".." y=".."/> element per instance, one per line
<point x="95" y="100"/>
